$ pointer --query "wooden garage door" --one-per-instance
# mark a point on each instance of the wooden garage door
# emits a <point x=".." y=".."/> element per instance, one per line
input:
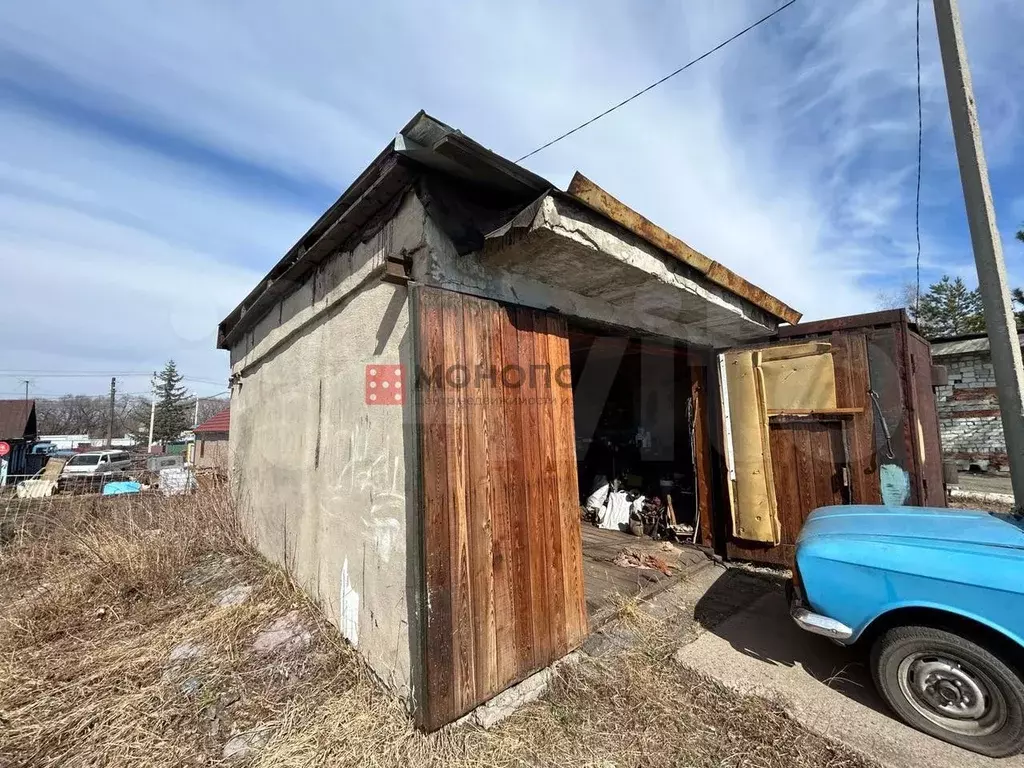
<point x="502" y="555"/>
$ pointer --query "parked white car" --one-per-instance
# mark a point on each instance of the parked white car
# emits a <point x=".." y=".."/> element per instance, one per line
<point x="96" y="464"/>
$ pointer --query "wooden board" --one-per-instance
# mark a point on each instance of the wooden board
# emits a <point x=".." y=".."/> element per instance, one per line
<point x="807" y="458"/>
<point x="850" y="353"/>
<point x="851" y="421"/>
<point x="924" y="423"/>
<point x="701" y="439"/>
<point x="503" y="569"/>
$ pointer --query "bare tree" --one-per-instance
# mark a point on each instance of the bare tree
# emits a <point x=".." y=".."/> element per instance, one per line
<point x="904" y="297"/>
<point x="87" y="415"/>
<point x="211" y="406"/>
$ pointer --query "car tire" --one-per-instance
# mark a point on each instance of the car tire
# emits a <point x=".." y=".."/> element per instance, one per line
<point x="952" y="688"/>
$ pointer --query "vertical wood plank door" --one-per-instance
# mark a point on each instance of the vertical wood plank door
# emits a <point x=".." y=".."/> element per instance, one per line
<point x="502" y="558"/>
<point x="808" y="460"/>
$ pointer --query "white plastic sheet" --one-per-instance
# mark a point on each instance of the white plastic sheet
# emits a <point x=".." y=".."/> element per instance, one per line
<point x="616" y="512"/>
<point x="599" y="495"/>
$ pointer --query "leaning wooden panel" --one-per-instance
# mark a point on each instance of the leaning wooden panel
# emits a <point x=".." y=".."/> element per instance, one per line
<point x="463" y="645"/>
<point x="542" y="399"/>
<point x="439" y="705"/>
<point x="568" y="486"/>
<point x="533" y="512"/>
<point x="702" y="446"/>
<point x="476" y="335"/>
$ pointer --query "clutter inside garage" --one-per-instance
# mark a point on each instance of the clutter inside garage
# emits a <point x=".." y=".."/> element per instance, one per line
<point x="634" y="420"/>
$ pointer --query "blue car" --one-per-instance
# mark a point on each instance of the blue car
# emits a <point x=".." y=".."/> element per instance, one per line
<point x="938" y="597"/>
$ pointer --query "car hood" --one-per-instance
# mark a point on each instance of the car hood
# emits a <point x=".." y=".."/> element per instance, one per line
<point x="962" y="526"/>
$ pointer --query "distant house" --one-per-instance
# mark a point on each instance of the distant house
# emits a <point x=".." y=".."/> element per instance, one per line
<point x="18" y="430"/>
<point x="969" y="421"/>
<point x="211" y="446"/>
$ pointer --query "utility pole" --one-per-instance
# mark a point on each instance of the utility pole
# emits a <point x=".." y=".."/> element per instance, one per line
<point x="988" y="249"/>
<point x="195" y="419"/>
<point x="152" y="422"/>
<point x="110" y="416"/>
<point x="26" y="382"/>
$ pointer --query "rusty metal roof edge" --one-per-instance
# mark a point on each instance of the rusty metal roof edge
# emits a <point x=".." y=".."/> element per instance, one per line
<point x="881" y="317"/>
<point x="594" y="197"/>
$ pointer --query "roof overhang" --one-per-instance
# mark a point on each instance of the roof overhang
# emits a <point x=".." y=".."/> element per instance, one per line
<point x="427" y="146"/>
<point x="583" y="189"/>
<point x="559" y="248"/>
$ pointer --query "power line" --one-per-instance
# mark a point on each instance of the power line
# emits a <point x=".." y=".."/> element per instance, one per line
<point x="100" y="374"/>
<point x="659" y="82"/>
<point x="920" y="142"/>
<point x="62" y="374"/>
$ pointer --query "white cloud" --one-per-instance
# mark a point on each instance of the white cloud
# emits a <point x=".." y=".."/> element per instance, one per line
<point x="156" y="162"/>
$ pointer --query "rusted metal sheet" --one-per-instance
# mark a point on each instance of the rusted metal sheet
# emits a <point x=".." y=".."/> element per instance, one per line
<point x="587" y="192"/>
<point x="886" y="317"/>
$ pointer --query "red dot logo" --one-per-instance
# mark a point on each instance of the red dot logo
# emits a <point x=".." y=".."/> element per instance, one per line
<point x="385" y="385"/>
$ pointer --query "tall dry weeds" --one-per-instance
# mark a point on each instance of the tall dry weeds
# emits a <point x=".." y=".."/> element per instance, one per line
<point x="95" y="594"/>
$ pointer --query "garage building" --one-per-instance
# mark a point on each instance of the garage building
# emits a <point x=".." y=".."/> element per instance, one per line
<point x="437" y="374"/>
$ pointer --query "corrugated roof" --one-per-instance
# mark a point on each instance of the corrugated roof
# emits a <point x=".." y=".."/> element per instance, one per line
<point x="964" y="345"/>
<point x="17" y="419"/>
<point x="219" y="422"/>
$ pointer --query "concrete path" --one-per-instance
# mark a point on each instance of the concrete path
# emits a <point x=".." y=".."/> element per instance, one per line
<point x="994" y="483"/>
<point x="758" y="650"/>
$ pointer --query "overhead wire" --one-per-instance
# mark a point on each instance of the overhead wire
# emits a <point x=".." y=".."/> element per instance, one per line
<point x="655" y="84"/>
<point x="99" y="374"/>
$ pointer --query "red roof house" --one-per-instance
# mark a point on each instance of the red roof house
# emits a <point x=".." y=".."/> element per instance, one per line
<point x="211" y="448"/>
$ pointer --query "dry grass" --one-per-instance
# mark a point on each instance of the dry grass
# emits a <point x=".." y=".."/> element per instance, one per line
<point x="96" y="593"/>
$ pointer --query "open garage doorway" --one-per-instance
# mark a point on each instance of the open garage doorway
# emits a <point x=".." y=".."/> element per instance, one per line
<point x="642" y="457"/>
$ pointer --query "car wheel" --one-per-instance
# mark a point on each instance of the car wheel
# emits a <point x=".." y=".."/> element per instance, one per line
<point x="952" y="688"/>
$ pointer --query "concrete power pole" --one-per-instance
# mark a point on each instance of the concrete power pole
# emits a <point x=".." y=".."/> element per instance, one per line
<point x="152" y="422"/>
<point x="110" y="416"/>
<point x="988" y="249"/>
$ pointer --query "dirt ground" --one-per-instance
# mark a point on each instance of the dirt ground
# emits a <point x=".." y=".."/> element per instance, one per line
<point x="145" y="632"/>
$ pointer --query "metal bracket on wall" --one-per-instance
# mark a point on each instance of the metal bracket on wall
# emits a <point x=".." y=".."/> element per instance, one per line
<point x="397" y="269"/>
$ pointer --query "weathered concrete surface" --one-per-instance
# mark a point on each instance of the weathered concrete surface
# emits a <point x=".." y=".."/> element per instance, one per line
<point x="583" y="265"/>
<point x="824" y="687"/>
<point x="321" y="476"/>
<point x="506" y="703"/>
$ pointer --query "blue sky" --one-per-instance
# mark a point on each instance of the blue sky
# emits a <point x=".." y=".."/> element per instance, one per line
<point x="157" y="159"/>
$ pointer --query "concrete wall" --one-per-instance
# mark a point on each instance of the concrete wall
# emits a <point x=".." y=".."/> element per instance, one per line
<point x="969" y="422"/>
<point x="580" y="264"/>
<point x="324" y="480"/>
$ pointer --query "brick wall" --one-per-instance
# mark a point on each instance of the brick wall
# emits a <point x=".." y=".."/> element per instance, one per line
<point x="969" y="423"/>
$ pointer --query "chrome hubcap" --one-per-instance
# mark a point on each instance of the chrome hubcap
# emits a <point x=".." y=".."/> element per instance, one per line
<point x="951" y="694"/>
<point x="948" y="689"/>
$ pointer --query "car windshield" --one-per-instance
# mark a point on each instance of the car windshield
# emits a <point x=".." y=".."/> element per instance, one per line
<point x="84" y="461"/>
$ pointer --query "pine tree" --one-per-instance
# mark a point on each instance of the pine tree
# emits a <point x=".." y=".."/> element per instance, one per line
<point x="172" y="416"/>
<point x="950" y="309"/>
